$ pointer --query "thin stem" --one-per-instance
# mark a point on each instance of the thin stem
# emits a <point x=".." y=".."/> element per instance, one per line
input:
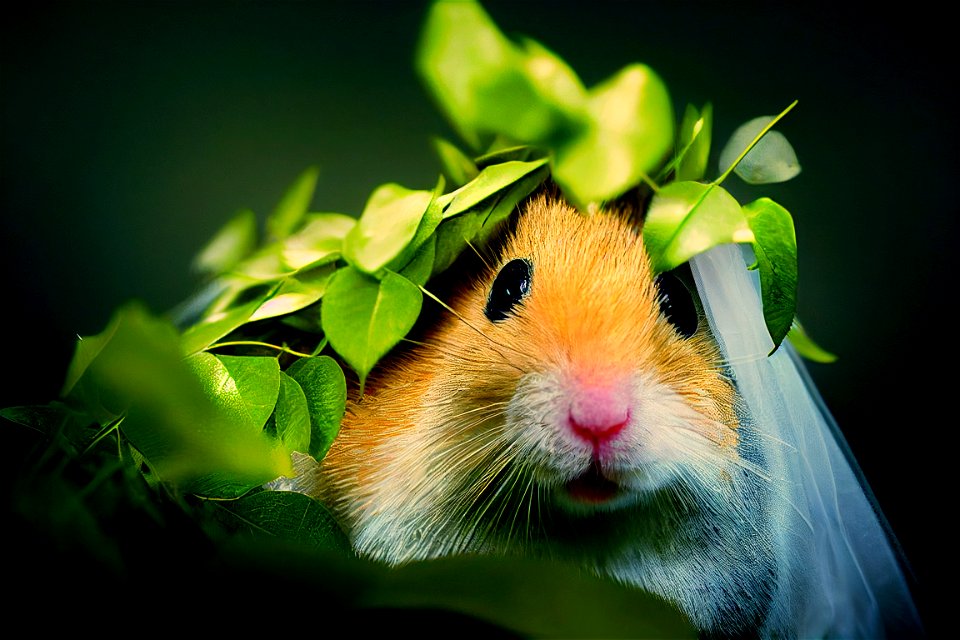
<point x="254" y="343"/>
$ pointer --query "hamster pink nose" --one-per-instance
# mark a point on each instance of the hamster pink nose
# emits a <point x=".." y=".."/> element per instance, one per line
<point x="598" y="413"/>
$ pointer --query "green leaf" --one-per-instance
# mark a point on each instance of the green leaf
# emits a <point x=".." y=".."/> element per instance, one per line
<point x="319" y="240"/>
<point x="282" y="515"/>
<point x="806" y="347"/>
<point x="629" y="132"/>
<point x="486" y="84"/>
<point x="490" y="181"/>
<point x="264" y="266"/>
<point x="186" y="425"/>
<point x="419" y="270"/>
<point x="457" y="167"/>
<point x="219" y="324"/>
<point x="293" y="206"/>
<point x="695" y="136"/>
<point x="56" y="419"/>
<point x="772" y="159"/>
<point x="85" y="352"/>
<point x="364" y="318"/>
<point x="524" y="153"/>
<point x="230" y="244"/>
<point x="388" y="224"/>
<point x="245" y="387"/>
<point x="688" y="218"/>
<point x="425" y="230"/>
<point x="295" y="293"/>
<point x="507" y="202"/>
<point x="325" y="388"/>
<point x="453" y="236"/>
<point x="775" y="248"/>
<point x="292" y="416"/>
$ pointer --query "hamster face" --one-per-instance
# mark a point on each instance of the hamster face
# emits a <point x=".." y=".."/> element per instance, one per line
<point x="556" y="391"/>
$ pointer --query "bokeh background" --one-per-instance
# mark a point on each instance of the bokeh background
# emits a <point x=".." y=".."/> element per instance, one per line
<point x="132" y="131"/>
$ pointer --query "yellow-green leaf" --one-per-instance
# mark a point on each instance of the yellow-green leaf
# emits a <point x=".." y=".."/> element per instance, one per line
<point x="388" y="224"/>
<point x="688" y="218"/>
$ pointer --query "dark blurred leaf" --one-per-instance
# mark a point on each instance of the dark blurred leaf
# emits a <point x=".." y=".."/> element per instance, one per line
<point x="806" y="347"/>
<point x="696" y="131"/>
<point x="282" y="515"/>
<point x="230" y="245"/>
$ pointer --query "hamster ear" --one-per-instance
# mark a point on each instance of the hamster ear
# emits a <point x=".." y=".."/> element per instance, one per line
<point x="509" y="289"/>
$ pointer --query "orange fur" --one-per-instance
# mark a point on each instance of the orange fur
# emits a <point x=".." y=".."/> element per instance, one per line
<point x="592" y="311"/>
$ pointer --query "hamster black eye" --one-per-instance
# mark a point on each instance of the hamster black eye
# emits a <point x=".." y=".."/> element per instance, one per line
<point x="677" y="305"/>
<point x="509" y="288"/>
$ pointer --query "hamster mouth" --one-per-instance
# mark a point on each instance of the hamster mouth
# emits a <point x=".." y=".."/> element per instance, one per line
<point x="592" y="487"/>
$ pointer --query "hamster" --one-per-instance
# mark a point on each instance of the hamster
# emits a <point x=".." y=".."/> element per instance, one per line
<point x="569" y="405"/>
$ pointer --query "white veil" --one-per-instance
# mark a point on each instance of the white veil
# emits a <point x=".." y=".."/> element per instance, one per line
<point x="845" y="576"/>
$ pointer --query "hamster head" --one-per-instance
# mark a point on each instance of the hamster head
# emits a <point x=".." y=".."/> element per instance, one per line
<point x="566" y="384"/>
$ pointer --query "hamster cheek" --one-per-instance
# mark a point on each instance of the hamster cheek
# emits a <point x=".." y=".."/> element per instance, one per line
<point x="669" y="439"/>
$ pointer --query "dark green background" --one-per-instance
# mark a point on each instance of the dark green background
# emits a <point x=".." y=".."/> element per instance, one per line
<point x="130" y="132"/>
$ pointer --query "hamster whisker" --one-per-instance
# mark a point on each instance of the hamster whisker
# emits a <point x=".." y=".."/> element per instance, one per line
<point x="480" y="255"/>
<point x="706" y="452"/>
<point x="467" y="323"/>
<point x="451" y="352"/>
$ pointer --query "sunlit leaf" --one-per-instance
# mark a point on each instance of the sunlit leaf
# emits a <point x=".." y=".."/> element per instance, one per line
<point x="687" y="218"/>
<point x="364" y="318"/>
<point x="628" y="134"/>
<point x="523" y="153"/>
<point x="292" y="416"/>
<point x="325" y="388"/>
<point x="487" y="84"/>
<point x="489" y="182"/>
<point x="295" y="293"/>
<point x="388" y="224"/>
<point x="775" y="248"/>
<point x="230" y="245"/>
<point x="507" y="202"/>
<point x="771" y="160"/>
<point x="425" y="230"/>
<point x="291" y="209"/>
<point x="245" y="387"/>
<point x="320" y="238"/>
